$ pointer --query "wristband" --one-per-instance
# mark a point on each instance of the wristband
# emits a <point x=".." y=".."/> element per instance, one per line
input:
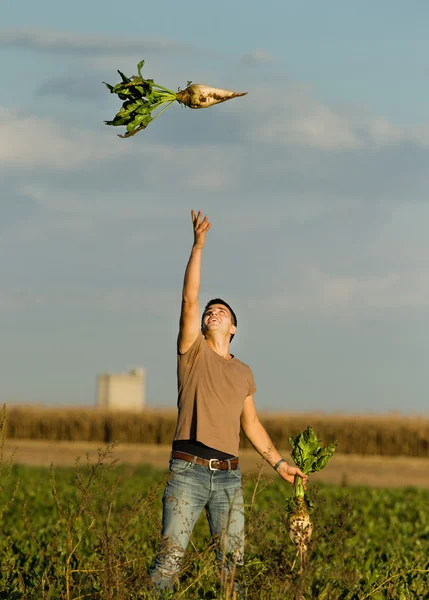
<point x="277" y="465"/>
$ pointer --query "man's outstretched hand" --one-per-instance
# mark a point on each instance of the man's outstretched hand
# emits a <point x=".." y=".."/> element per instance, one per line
<point x="201" y="227"/>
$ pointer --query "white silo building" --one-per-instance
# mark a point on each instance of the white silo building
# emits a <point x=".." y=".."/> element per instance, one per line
<point x="122" y="391"/>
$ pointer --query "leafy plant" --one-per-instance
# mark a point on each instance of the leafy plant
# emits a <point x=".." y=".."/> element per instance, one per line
<point x="143" y="97"/>
<point x="309" y="457"/>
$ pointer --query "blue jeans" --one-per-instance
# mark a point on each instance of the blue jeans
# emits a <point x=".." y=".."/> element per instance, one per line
<point x="189" y="490"/>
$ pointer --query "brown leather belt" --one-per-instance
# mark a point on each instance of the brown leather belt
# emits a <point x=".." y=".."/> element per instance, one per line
<point x="213" y="464"/>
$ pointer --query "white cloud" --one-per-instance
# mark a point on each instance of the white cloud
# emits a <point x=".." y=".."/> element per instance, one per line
<point x="319" y="128"/>
<point x="257" y="56"/>
<point x="291" y="115"/>
<point x="72" y="42"/>
<point x="210" y="179"/>
<point x="317" y="291"/>
<point x="137" y="299"/>
<point x="27" y="141"/>
<point x="258" y="187"/>
<point x="111" y="61"/>
<point x="189" y="172"/>
<point x="382" y="132"/>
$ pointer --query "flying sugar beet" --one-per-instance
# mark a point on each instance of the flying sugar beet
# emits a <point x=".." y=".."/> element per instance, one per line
<point x="143" y="97"/>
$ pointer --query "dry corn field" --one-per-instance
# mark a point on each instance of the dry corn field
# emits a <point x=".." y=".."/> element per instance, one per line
<point x="391" y="435"/>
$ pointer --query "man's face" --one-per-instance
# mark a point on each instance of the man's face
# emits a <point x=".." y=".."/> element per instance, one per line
<point x="218" y="318"/>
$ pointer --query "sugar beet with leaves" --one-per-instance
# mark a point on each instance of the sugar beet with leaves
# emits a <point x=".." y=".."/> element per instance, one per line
<point x="144" y="100"/>
<point x="309" y="457"/>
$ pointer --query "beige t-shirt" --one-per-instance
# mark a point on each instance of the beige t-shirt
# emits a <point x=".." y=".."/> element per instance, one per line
<point x="211" y="394"/>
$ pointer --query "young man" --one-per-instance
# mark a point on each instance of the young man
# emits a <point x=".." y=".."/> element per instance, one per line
<point x="215" y="398"/>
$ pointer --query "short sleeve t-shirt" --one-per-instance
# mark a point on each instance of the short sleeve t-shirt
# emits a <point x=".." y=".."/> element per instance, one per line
<point x="211" y="394"/>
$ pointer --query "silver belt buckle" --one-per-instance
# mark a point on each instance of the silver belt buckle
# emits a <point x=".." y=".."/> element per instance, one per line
<point x="210" y="464"/>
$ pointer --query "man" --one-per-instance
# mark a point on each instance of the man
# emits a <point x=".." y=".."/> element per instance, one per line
<point x="215" y="398"/>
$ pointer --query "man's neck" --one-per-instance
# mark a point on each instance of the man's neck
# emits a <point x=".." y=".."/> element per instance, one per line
<point x="220" y="346"/>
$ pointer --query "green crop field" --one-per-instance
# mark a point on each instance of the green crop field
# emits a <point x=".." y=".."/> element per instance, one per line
<point x="91" y="532"/>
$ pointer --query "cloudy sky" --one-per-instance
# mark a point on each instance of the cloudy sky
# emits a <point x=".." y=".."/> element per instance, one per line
<point x="315" y="182"/>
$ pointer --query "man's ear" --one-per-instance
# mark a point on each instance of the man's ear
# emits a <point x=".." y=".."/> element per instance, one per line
<point x="233" y="329"/>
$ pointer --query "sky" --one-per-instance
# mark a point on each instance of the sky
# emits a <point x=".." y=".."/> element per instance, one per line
<point x="315" y="183"/>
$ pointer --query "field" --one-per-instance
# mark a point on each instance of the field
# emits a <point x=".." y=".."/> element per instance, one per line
<point x="91" y="532"/>
<point x="365" y="435"/>
<point x="88" y="527"/>
<point x="346" y="469"/>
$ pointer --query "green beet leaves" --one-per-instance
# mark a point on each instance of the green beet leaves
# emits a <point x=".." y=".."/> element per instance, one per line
<point x="307" y="453"/>
<point x="141" y="98"/>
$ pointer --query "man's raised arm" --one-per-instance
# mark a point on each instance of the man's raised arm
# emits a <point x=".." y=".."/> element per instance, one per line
<point x="190" y="313"/>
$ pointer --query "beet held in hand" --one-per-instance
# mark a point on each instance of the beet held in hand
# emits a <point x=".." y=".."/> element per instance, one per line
<point x="142" y="97"/>
<point x="309" y="457"/>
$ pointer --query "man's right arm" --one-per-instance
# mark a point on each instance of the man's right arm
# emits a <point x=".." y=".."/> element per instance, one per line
<point x="190" y="313"/>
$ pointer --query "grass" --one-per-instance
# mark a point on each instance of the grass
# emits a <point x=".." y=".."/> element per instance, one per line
<point x="92" y="531"/>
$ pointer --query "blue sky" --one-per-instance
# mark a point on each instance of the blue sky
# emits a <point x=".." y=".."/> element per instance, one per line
<point x="315" y="182"/>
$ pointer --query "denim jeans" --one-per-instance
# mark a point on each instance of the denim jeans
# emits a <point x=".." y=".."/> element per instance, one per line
<point x="189" y="490"/>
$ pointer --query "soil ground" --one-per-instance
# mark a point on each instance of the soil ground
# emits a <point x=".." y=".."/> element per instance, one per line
<point x="372" y="471"/>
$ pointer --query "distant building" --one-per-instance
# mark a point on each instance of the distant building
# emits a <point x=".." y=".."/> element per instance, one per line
<point x="121" y="391"/>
